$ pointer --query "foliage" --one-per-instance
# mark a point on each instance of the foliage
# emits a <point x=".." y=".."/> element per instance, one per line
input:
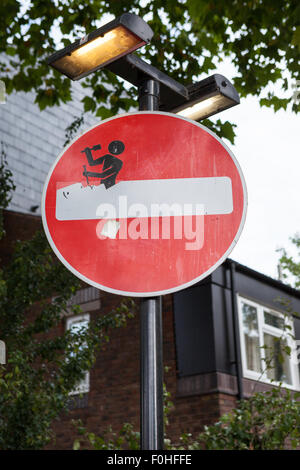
<point x="43" y="367"/>
<point x="126" y="438"/>
<point x="290" y="265"/>
<point x="44" y="363"/>
<point x="266" y="421"/>
<point x="73" y="128"/>
<point x="6" y="187"/>
<point x="190" y="37"/>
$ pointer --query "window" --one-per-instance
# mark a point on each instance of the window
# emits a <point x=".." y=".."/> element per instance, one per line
<point x="77" y="324"/>
<point x="265" y="337"/>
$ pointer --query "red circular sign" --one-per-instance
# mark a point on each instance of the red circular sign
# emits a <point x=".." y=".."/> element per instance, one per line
<point x="144" y="204"/>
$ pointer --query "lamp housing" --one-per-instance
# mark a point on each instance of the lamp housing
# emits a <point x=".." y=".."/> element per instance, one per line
<point x="206" y="98"/>
<point x="117" y="38"/>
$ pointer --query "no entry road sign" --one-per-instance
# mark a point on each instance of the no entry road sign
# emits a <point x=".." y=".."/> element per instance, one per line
<point x="144" y="204"/>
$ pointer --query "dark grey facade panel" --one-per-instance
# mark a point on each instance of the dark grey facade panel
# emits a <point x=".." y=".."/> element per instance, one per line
<point x="258" y="287"/>
<point x="194" y="331"/>
<point x="221" y="276"/>
<point x="204" y="320"/>
<point x="265" y="294"/>
<point x="223" y="329"/>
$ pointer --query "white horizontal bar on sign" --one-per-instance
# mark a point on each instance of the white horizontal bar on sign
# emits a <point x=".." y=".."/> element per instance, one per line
<point x="146" y="198"/>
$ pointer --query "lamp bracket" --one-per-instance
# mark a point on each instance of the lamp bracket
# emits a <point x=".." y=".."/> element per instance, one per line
<point x="135" y="70"/>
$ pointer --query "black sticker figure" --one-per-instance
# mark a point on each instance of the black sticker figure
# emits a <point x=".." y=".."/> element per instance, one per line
<point x="111" y="164"/>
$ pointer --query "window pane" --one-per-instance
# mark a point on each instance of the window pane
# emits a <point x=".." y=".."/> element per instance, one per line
<point x="277" y="358"/>
<point x="250" y="330"/>
<point x="274" y="320"/>
<point x="79" y="326"/>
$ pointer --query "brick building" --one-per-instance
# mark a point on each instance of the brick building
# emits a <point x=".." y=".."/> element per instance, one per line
<point x="213" y="331"/>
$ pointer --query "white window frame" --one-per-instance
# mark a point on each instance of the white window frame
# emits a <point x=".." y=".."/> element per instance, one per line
<point x="84" y="385"/>
<point x="264" y="328"/>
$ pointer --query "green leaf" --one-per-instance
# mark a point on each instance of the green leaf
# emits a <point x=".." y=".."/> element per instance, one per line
<point x="296" y="37"/>
<point x="89" y="104"/>
<point x="76" y="444"/>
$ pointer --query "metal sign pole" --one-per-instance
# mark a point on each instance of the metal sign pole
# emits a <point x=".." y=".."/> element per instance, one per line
<point x="152" y="432"/>
<point x="151" y="341"/>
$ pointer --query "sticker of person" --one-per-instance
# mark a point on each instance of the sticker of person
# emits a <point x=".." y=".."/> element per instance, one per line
<point x="111" y="164"/>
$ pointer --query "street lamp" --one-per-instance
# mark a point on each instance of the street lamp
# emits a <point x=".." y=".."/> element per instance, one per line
<point x="102" y="46"/>
<point x="208" y="97"/>
<point x="111" y="47"/>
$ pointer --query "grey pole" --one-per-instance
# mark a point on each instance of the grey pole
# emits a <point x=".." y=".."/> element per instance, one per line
<point x="236" y="335"/>
<point x="151" y="341"/>
<point x="149" y="95"/>
<point x="152" y="432"/>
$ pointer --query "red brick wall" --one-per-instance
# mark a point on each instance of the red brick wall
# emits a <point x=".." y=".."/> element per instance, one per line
<point x="114" y="386"/>
<point x="17" y="227"/>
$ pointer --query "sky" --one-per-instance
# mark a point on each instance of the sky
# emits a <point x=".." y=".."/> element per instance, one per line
<point x="267" y="148"/>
